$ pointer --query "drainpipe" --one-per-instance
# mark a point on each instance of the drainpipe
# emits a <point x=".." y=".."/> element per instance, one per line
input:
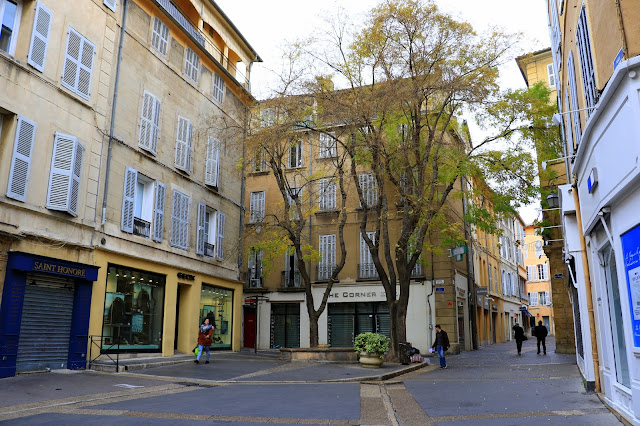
<point x="623" y="36"/>
<point x="113" y="115"/>
<point x="471" y="288"/>
<point x="243" y="183"/>
<point x="587" y="286"/>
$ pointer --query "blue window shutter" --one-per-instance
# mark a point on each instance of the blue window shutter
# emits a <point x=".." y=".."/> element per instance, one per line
<point x="39" y="37"/>
<point x="128" y="199"/>
<point x="158" y="213"/>
<point x="220" y="242"/>
<point x="21" y="161"/>
<point x="202" y="211"/>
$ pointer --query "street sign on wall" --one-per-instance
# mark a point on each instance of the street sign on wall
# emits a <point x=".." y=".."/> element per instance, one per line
<point x="482" y="291"/>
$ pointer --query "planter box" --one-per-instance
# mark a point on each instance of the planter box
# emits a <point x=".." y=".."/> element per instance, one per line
<point x="318" y="354"/>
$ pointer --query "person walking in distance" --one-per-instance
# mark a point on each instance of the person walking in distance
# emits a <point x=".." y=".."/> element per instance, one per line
<point x="204" y="340"/>
<point x="518" y="334"/>
<point x="441" y="345"/>
<point x="540" y="331"/>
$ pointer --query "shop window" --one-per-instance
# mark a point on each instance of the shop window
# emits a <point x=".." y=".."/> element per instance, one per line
<point x="133" y="310"/>
<point x="285" y="325"/>
<point x="216" y="304"/>
<point x="347" y="320"/>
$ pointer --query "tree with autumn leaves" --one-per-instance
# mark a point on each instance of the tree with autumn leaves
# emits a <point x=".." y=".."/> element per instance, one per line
<point x="389" y="98"/>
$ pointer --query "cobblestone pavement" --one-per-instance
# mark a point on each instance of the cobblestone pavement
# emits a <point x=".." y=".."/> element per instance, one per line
<point x="489" y="386"/>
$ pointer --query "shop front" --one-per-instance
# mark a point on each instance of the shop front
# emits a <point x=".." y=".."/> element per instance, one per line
<point x="43" y="293"/>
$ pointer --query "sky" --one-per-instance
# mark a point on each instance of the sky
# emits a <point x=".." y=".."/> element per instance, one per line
<point x="268" y="25"/>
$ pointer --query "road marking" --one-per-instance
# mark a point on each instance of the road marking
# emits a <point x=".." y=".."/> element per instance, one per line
<point x="125" y="385"/>
<point x="549" y="413"/>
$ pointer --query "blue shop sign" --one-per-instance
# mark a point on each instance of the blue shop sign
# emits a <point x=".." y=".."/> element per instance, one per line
<point x="631" y="255"/>
<point x="32" y="263"/>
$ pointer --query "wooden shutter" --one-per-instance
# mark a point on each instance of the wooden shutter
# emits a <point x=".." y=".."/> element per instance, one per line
<point x="160" y="36"/>
<point x="213" y="162"/>
<point x="184" y="214"/>
<point x="75" y="178"/>
<point x="327" y="249"/>
<point x="78" y="64"/>
<point x="149" y="123"/>
<point x="547" y="300"/>
<point x="39" y="37"/>
<point x="65" y="173"/>
<point x="175" y="220"/>
<point x="367" y="268"/>
<point x="180" y="221"/>
<point x="191" y="64"/>
<point x="202" y="211"/>
<point x="218" y="88"/>
<point x="183" y="145"/>
<point x="21" y="160"/>
<point x="575" y="115"/>
<point x="111" y="4"/>
<point x="158" y="213"/>
<point x="129" y="199"/>
<point x="220" y="242"/>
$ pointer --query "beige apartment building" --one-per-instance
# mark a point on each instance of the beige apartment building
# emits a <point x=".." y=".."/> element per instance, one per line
<point x="121" y="205"/>
<point x="538" y="286"/>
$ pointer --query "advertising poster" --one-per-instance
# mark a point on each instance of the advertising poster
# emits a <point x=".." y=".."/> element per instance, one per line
<point x="631" y="255"/>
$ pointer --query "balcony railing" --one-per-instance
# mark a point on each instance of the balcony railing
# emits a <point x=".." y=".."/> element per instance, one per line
<point x="141" y="227"/>
<point x="208" y="249"/>
<point x="192" y="30"/>
<point x="367" y="271"/>
<point x="291" y="279"/>
<point x="324" y="271"/>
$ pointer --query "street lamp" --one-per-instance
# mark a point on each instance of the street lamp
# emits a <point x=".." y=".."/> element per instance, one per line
<point x="552" y="200"/>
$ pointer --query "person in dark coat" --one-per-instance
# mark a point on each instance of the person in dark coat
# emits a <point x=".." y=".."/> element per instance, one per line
<point x="518" y="334"/>
<point x="204" y="340"/>
<point x="441" y="345"/>
<point x="540" y="331"/>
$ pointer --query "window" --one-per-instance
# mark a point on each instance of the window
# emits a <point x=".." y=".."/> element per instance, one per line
<point x="160" y="36"/>
<point x="489" y="278"/>
<point x="218" y="88"/>
<point x="149" y="123"/>
<point x="575" y="115"/>
<point x="142" y="204"/>
<point x="207" y="223"/>
<point x="556" y="35"/>
<point x="533" y="299"/>
<point x="78" y="63"/>
<point x="347" y="320"/>
<point x="180" y="221"/>
<point x="21" y="160"/>
<point x="254" y="267"/>
<point x="531" y="273"/>
<point x="291" y="272"/>
<point x="10" y="12"/>
<point x="256" y="206"/>
<point x="369" y="188"/>
<point x="183" y="145"/>
<point x="111" y="4"/>
<point x="367" y="269"/>
<point x="39" y="37"/>
<point x="495" y="279"/>
<point x="327" y="194"/>
<point x="328" y="145"/>
<point x="191" y="64"/>
<point x="327" y="249"/>
<point x="212" y="169"/>
<point x="586" y="61"/>
<point x="285" y="325"/>
<point x="543" y="297"/>
<point x="295" y="154"/>
<point x="504" y="282"/>
<point x="551" y="76"/>
<point x="294" y="196"/>
<point x="216" y="303"/>
<point x="64" y="177"/>
<point x="539" y="251"/>
<point x="542" y="272"/>
<point x="259" y="163"/>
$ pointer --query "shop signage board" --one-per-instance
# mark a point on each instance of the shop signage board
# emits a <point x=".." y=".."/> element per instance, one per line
<point x="482" y="291"/>
<point x="631" y="255"/>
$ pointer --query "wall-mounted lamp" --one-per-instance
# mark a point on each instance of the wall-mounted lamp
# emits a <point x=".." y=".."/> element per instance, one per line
<point x="552" y="200"/>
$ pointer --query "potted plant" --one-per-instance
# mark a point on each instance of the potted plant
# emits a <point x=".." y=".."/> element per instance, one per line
<point x="372" y="348"/>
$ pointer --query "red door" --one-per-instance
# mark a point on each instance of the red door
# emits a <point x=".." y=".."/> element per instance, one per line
<point x="249" y="327"/>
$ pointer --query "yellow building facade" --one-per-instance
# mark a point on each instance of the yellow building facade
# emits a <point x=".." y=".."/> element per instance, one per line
<point x="121" y="204"/>
<point x="538" y="284"/>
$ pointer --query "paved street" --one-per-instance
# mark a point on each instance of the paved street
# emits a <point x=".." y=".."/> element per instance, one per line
<point x="490" y="386"/>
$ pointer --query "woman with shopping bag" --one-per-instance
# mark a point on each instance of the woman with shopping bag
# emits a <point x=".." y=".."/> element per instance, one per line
<point x="204" y="340"/>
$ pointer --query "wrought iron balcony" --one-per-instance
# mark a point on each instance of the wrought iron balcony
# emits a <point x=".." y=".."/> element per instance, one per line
<point x="208" y="249"/>
<point x="181" y="20"/>
<point x="141" y="227"/>
<point x="324" y="271"/>
<point x="367" y="271"/>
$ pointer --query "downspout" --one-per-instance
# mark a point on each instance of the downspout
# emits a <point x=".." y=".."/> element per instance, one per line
<point x="113" y="116"/>
<point x="310" y="201"/>
<point x="471" y="288"/>
<point x="625" y="47"/>
<point x="243" y="183"/>
<point x="587" y="286"/>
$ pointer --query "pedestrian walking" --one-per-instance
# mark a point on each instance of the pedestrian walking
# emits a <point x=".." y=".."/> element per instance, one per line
<point x="204" y="340"/>
<point x="540" y="331"/>
<point x="518" y="334"/>
<point x="441" y="345"/>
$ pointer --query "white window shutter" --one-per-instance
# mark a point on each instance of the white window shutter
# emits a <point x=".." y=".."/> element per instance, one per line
<point x="213" y="162"/>
<point x="75" y="178"/>
<point x="78" y="64"/>
<point x="184" y="214"/>
<point x="86" y="65"/>
<point x="220" y="242"/>
<point x="160" y="36"/>
<point x="62" y="168"/>
<point x="180" y="221"/>
<point x="189" y="145"/>
<point x="155" y="134"/>
<point x="111" y="4"/>
<point x="21" y="161"/>
<point x="39" y="37"/>
<point x="149" y="123"/>
<point x="202" y="211"/>
<point x="175" y="219"/>
<point x="547" y="301"/>
<point x="158" y="212"/>
<point x="183" y="145"/>
<point x="129" y="199"/>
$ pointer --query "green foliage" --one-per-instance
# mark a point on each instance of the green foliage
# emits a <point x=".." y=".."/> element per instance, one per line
<point x="371" y="343"/>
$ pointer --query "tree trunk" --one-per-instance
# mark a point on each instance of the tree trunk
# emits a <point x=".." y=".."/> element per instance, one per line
<point x="313" y="330"/>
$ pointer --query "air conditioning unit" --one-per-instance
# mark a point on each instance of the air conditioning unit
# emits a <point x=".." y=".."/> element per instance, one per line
<point x="255" y="282"/>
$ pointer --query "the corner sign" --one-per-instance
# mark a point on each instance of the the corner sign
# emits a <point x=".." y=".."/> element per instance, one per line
<point x="592" y="180"/>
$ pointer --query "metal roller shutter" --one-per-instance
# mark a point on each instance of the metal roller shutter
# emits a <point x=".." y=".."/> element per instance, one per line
<point x="46" y="323"/>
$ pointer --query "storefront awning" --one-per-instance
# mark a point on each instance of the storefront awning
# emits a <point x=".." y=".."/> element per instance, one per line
<point x="526" y="313"/>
